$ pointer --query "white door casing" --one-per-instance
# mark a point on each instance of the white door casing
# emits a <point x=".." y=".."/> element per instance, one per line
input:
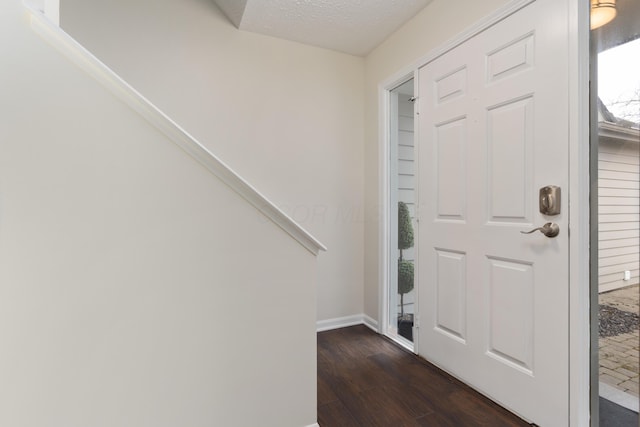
<point x="493" y="129"/>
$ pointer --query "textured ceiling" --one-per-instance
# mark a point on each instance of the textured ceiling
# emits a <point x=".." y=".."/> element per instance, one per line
<point x="350" y="26"/>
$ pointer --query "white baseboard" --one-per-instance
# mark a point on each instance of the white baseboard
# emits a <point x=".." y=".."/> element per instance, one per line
<point x="343" y="322"/>
<point x="370" y="322"/>
<point x="314" y="425"/>
<point x="338" y="322"/>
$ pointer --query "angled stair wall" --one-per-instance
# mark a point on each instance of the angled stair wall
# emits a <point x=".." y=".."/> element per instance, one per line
<point x="138" y="282"/>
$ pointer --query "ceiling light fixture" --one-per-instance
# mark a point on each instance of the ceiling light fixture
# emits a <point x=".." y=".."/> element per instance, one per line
<point x="602" y="12"/>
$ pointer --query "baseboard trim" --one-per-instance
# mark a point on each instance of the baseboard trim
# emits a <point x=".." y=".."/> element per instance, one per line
<point x="370" y="322"/>
<point x="314" y="425"/>
<point x="343" y="322"/>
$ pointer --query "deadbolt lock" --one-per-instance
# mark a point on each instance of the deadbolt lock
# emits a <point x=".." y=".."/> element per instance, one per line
<point x="550" y="200"/>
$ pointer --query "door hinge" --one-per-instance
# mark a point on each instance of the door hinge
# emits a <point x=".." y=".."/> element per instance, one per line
<point x="416" y="320"/>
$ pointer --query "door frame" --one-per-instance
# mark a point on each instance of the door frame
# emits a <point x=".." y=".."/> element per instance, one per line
<point x="386" y="234"/>
<point x="580" y="378"/>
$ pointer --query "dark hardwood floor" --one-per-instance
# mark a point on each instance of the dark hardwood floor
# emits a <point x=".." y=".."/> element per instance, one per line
<point x="364" y="379"/>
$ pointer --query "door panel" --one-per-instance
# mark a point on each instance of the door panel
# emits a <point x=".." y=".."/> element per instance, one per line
<point x="451" y="294"/>
<point x="493" y="130"/>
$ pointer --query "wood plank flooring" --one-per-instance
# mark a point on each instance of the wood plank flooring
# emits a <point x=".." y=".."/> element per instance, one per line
<point x="364" y="379"/>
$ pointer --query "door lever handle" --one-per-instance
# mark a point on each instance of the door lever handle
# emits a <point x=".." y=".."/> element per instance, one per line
<point x="550" y="229"/>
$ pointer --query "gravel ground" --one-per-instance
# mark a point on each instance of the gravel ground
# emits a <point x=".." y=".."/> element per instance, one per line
<point x="615" y="322"/>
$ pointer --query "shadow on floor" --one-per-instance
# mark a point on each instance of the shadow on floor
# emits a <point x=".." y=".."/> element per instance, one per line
<point x="613" y="415"/>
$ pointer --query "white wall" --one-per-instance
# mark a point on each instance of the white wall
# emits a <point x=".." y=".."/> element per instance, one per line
<point x="440" y="21"/>
<point x="287" y="117"/>
<point x="135" y="288"/>
<point x="619" y="213"/>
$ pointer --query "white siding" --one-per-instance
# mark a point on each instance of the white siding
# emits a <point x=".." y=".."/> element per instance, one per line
<point x="619" y="213"/>
<point x="406" y="176"/>
<point x="406" y="161"/>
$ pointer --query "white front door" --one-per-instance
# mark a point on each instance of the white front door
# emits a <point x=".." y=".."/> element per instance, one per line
<point x="493" y="130"/>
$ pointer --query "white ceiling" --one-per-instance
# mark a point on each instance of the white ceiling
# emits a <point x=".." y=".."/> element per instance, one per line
<point x="350" y="26"/>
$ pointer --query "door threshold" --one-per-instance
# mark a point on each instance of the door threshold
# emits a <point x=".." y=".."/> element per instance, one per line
<point x="402" y="342"/>
<point x="619" y="397"/>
